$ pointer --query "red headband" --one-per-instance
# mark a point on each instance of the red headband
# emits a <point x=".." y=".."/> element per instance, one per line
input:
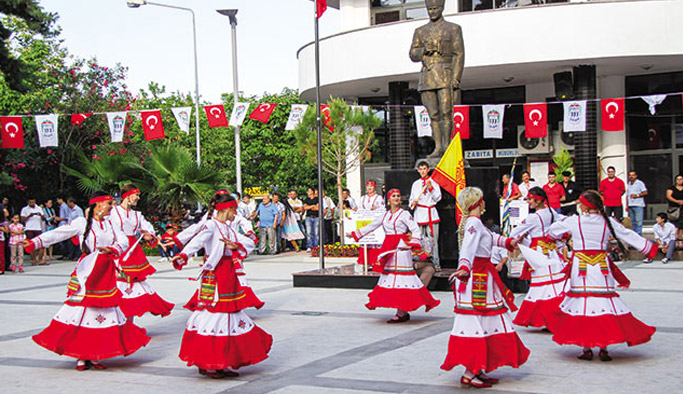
<point x="587" y="203"/>
<point x="535" y="197"/>
<point x="371" y="183"/>
<point x="392" y="191"/>
<point x="131" y="192"/>
<point x="99" y="199"/>
<point x="221" y="192"/>
<point x="225" y="205"/>
<point x="477" y="204"/>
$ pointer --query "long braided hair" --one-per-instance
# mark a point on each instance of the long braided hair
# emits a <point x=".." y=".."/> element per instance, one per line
<point x="540" y="192"/>
<point x="594" y="198"/>
<point x="220" y="196"/>
<point x="466" y="198"/>
<point x="89" y="215"/>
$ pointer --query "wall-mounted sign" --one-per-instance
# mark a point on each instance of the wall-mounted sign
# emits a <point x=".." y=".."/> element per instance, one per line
<point x="514" y="152"/>
<point x="479" y="154"/>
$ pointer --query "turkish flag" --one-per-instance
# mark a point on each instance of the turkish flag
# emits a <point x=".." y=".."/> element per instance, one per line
<point x="152" y="125"/>
<point x="327" y="116"/>
<point x="216" y="115"/>
<point x="77" y="119"/>
<point x="262" y="112"/>
<point x="321" y="7"/>
<point x="536" y="120"/>
<point x="461" y="121"/>
<point x="612" y="114"/>
<point x="12" y="132"/>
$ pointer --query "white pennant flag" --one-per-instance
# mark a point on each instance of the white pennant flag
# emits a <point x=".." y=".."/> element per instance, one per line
<point x="653" y="101"/>
<point x="423" y="121"/>
<point x="182" y="116"/>
<point x="47" y="130"/>
<point x="239" y="112"/>
<point x="296" y="115"/>
<point x="574" y="116"/>
<point x="117" y="123"/>
<point x="493" y="120"/>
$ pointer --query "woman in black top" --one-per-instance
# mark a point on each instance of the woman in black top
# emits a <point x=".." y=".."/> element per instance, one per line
<point x="674" y="195"/>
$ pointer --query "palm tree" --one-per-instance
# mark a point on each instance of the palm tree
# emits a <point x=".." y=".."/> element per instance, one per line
<point x="107" y="174"/>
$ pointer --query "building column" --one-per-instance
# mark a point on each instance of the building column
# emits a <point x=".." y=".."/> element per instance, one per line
<point x="586" y="143"/>
<point x="399" y="128"/>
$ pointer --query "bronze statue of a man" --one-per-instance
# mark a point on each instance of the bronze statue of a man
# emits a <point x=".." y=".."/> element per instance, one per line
<point x="440" y="48"/>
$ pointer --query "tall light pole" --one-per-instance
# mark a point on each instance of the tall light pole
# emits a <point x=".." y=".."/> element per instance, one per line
<point x="232" y="15"/>
<point x="137" y="4"/>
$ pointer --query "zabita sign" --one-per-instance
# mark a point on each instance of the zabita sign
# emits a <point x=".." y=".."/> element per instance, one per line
<point x="479" y="154"/>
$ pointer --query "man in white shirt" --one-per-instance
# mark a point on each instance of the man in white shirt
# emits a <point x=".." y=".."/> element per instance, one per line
<point x="424" y="195"/>
<point x="244" y="207"/>
<point x="32" y="216"/>
<point x="281" y="221"/>
<point x="346" y="195"/>
<point x="526" y="184"/>
<point x="665" y="235"/>
<point x="636" y="192"/>
<point x="328" y="216"/>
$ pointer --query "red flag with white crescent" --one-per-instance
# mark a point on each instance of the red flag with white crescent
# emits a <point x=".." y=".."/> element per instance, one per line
<point x="613" y="114"/>
<point x="536" y="120"/>
<point x="152" y="125"/>
<point x="77" y="119"/>
<point x="262" y="112"/>
<point x="326" y="116"/>
<point x="12" y="132"/>
<point x="215" y="114"/>
<point x="321" y="7"/>
<point x="461" y="121"/>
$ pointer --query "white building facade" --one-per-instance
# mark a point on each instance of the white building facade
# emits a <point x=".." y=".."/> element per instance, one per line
<point x="513" y="50"/>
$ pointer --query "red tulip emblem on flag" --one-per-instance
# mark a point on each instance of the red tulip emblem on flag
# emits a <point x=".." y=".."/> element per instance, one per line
<point x="215" y="114"/>
<point x="536" y="120"/>
<point x="613" y="114"/>
<point x="12" y="132"/>
<point x="461" y="121"/>
<point x="152" y="125"/>
<point x="77" y="119"/>
<point x="262" y="112"/>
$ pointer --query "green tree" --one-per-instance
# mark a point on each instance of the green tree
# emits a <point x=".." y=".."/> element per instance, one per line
<point x="108" y="174"/>
<point x="347" y="136"/>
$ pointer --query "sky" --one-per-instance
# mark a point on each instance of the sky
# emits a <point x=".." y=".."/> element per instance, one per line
<point x="156" y="42"/>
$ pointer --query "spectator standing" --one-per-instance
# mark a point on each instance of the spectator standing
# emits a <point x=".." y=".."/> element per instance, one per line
<point x="636" y="192"/>
<point x="675" y="197"/>
<point x="424" y="195"/>
<point x="9" y="212"/>
<point x="526" y="184"/>
<point x="290" y="229"/>
<point x="61" y="220"/>
<point x="328" y="216"/>
<point x="50" y="223"/>
<point x="3" y="240"/>
<point x="298" y="209"/>
<point x="281" y="220"/>
<point x="611" y="189"/>
<point x="268" y="221"/>
<point x="555" y="193"/>
<point x="245" y="207"/>
<point x="346" y="195"/>
<point x="75" y="212"/>
<point x="311" y="208"/>
<point x="32" y="217"/>
<point x="515" y="194"/>
<point x="17" y="236"/>
<point x="571" y="194"/>
<point x="665" y="236"/>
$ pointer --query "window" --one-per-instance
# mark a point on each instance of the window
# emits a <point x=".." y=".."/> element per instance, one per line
<point x="386" y="11"/>
<point x="478" y="5"/>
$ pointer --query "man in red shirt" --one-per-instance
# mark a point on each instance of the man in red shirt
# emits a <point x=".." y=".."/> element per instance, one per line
<point x="515" y="194"/>
<point x="612" y="188"/>
<point x="555" y="192"/>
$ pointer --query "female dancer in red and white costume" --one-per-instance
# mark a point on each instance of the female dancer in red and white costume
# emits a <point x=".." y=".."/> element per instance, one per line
<point x="398" y="286"/>
<point x="219" y="335"/>
<point x="138" y="296"/>
<point x="483" y="337"/>
<point x="90" y="326"/>
<point x="592" y="314"/>
<point x="546" y="290"/>
<point x="370" y="201"/>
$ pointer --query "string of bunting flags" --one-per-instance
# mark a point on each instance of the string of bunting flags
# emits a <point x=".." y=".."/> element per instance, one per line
<point x="535" y="119"/>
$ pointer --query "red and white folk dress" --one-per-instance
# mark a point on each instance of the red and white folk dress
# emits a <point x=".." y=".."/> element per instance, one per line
<point x="398" y="285"/>
<point x="138" y="295"/>
<point x="592" y="313"/>
<point x="219" y="334"/>
<point x="483" y="336"/>
<point x="90" y="325"/>
<point x="546" y="290"/>
<point x="374" y="202"/>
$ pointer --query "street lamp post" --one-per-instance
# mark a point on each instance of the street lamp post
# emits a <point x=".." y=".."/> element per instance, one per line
<point x="232" y="15"/>
<point x="137" y="4"/>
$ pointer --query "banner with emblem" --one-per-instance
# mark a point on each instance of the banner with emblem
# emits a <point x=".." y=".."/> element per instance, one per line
<point x="182" y="116"/>
<point x="296" y="115"/>
<point x="423" y="121"/>
<point x="574" y="116"/>
<point x="46" y="125"/>
<point x="493" y="120"/>
<point x="239" y="113"/>
<point x="117" y="123"/>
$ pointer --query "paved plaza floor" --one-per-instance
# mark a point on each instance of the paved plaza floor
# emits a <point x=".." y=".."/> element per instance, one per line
<point x="326" y="341"/>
